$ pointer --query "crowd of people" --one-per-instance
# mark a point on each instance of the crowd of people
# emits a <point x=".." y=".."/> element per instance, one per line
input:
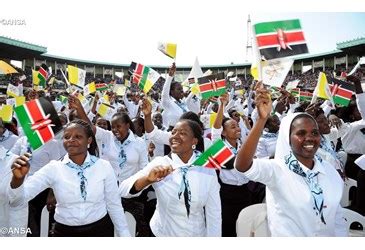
<point x="292" y="155"/>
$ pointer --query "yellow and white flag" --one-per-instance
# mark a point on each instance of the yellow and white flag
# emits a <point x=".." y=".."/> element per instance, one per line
<point x="76" y="76"/>
<point x="13" y="91"/>
<point x="89" y="88"/>
<point x="322" y="89"/>
<point x="106" y="111"/>
<point x="168" y="49"/>
<point x="6" y="113"/>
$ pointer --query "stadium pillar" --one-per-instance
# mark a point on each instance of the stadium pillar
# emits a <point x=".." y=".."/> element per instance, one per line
<point x="103" y="72"/>
<point x="334" y="63"/>
<point x="312" y="66"/>
<point x="23" y="65"/>
<point x="94" y="71"/>
<point x="324" y="65"/>
<point x="292" y="69"/>
<point x="33" y="63"/>
<point x="113" y="73"/>
<point x="302" y="66"/>
<point x="347" y="61"/>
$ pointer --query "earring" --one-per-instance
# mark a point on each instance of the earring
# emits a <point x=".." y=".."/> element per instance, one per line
<point x="193" y="147"/>
<point x="88" y="145"/>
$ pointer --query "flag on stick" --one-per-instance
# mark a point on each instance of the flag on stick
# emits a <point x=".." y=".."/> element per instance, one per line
<point x="280" y="39"/>
<point x="215" y="156"/>
<point x="39" y="121"/>
<point x="168" y="49"/>
<point x="341" y="91"/>
<point x="212" y="85"/>
<point x="143" y="76"/>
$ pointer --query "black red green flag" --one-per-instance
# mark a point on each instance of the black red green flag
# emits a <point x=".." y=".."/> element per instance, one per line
<point x="341" y="91"/>
<point x="280" y="39"/>
<point x="39" y="121"/>
<point x="212" y="85"/>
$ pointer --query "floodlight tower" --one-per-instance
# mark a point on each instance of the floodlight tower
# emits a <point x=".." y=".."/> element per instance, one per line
<point x="249" y="40"/>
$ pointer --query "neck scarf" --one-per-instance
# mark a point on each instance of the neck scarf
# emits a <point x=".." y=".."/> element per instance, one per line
<point x="284" y="155"/>
<point x="5" y="135"/>
<point x="122" y="157"/>
<point x="182" y="106"/>
<point x="312" y="182"/>
<point x="80" y="172"/>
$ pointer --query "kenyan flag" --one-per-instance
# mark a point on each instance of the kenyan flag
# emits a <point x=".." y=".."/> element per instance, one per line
<point x="101" y="86"/>
<point x="43" y="75"/>
<point x="341" y="91"/>
<point x="280" y="39"/>
<point x="144" y="76"/>
<point x="212" y="85"/>
<point x="305" y="96"/>
<point x="215" y="156"/>
<point x="39" y="121"/>
<point x="295" y="92"/>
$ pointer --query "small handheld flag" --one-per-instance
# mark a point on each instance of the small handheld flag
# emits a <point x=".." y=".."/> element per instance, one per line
<point x="143" y="76"/>
<point x="212" y="85"/>
<point x="39" y="121"/>
<point x="280" y="39"/>
<point x="215" y="156"/>
<point x="168" y="49"/>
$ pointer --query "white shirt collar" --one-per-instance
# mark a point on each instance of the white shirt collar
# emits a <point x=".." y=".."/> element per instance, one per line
<point x="67" y="159"/>
<point x="177" y="162"/>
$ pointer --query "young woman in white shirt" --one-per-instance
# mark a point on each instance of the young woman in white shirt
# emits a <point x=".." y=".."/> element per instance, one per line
<point x="85" y="187"/>
<point x="126" y="152"/>
<point x="13" y="219"/>
<point x="188" y="202"/>
<point x="303" y="192"/>
<point x="235" y="194"/>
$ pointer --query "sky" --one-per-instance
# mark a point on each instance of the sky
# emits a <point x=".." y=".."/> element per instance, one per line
<point x="215" y="31"/>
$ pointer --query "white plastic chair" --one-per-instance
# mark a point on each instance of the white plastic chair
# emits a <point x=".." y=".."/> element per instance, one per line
<point x="351" y="217"/>
<point x="252" y="222"/>
<point x="345" y="200"/>
<point x="44" y="222"/>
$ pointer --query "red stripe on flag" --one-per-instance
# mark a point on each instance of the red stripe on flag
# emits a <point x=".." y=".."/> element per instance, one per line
<point x="274" y="40"/>
<point x="344" y="93"/>
<point x="137" y="74"/>
<point x="43" y="72"/>
<point x="208" y="86"/>
<point x="223" y="156"/>
<point x="34" y="108"/>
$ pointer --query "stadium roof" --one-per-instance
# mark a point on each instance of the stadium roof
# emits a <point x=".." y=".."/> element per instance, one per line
<point x="18" y="50"/>
<point x="355" y="46"/>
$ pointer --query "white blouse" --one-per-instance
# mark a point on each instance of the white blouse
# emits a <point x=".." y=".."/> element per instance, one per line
<point x="290" y="203"/>
<point x="71" y="209"/>
<point x="10" y="217"/>
<point x="135" y="151"/>
<point x="266" y="145"/>
<point x="8" y="139"/>
<point x="170" y="217"/>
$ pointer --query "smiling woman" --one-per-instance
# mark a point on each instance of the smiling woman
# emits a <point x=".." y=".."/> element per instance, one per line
<point x="303" y="191"/>
<point x="84" y="186"/>
<point x="187" y="196"/>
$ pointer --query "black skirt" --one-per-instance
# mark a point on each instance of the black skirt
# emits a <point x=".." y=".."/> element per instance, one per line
<point x="101" y="228"/>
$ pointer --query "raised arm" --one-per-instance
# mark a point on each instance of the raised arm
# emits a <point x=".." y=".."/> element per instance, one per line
<point x="165" y="95"/>
<point x="74" y="103"/>
<point x="147" y="112"/>
<point x="247" y="151"/>
<point x="223" y="101"/>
